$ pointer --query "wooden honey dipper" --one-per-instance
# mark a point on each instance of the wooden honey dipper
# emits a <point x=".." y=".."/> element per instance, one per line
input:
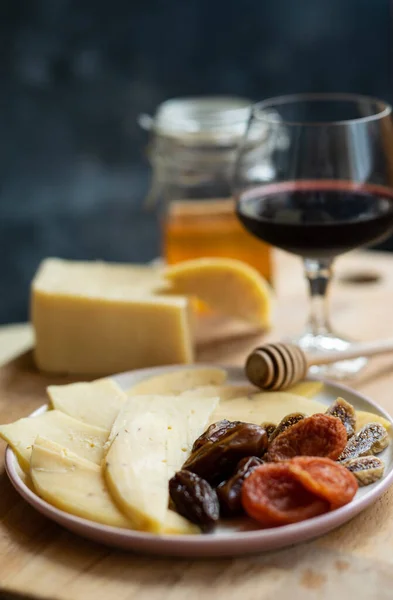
<point x="278" y="366"/>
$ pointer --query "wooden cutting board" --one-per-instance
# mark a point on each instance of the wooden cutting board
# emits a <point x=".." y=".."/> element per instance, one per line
<point x="39" y="559"/>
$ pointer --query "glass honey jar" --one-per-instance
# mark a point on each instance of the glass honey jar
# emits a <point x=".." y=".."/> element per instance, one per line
<point x="192" y="150"/>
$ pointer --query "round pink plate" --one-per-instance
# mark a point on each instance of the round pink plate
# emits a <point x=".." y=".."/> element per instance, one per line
<point x="230" y="539"/>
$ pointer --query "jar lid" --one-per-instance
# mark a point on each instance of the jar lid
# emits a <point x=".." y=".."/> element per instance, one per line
<point x="208" y="117"/>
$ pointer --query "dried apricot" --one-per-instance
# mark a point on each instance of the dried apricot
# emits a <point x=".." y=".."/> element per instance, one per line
<point x="273" y="495"/>
<point x="325" y="478"/>
<point x="318" y="435"/>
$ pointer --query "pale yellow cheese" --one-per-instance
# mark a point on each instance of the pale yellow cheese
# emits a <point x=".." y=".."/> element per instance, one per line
<point x="150" y="440"/>
<point x="77" y="486"/>
<point x="87" y="441"/>
<point x="363" y="417"/>
<point x="97" y="402"/>
<point x="90" y="323"/>
<point x="265" y="406"/>
<point x="224" y="392"/>
<point x="74" y="485"/>
<point x="306" y="388"/>
<point x="178" y="381"/>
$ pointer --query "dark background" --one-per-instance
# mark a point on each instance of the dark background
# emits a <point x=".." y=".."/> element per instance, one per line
<point x="75" y="74"/>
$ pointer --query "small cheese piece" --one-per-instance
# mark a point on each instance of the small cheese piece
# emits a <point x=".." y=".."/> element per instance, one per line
<point x="73" y="484"/>
<point x="178" y="381"/>
<point x="93" y="324"/>
<point x="77" y="486"/>
<point x="97" y="403"/>
<point x="150" y="440"/>
<point x="87" y="441"/>
<point x="265" y="406"/>
<point x="308" y="389"/>
<point x="363" y="418"/>
<point x="224" y="392"/>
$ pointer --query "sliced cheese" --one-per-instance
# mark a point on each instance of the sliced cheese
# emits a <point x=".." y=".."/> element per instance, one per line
<point x="224" y="392"/>
<point x="97" y="403"/>
<point x="77" y="486"/>
<point x="266" y="406"/>
<point x="87" y="441"/>
<point x="74" y="485"/>
<point x="94" y="324"/>
<point x="178" y="381"/>
<point x="150" y="440"/>
<point x="363" y="417"/>
<point x="308" y="389"/>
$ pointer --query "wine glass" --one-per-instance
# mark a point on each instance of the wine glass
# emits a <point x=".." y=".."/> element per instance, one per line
<point x="331" y="190"/>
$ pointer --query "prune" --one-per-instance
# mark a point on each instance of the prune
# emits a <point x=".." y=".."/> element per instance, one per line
<point x="229" y="492"/>
<point x="325" y="478"/>
<point x="346" y="413"/>
<point x="366" y="469"/>
<point x="272" y="495"/>
<point x="372" y="439"/>
<point x="194" y="499"/>
<point x="214" y="433"/>
<point x="216" y="461"/>
<point x="285" y="423"/>
<point x="318" y="435"/>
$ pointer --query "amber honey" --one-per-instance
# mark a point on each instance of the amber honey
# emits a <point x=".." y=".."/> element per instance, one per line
<point x="194" y="229"/>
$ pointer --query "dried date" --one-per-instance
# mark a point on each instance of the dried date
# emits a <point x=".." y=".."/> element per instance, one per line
<point x="216" y="461"/>
<point x="229" y="492"/>
<point x="214" y="433"/>
<point x="194" y="499"/>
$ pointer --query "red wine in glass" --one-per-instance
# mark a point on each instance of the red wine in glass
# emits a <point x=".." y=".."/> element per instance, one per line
<point x="317" y="218"/>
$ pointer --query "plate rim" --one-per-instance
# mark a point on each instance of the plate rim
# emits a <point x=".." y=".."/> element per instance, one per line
<point x="271" y="537"/>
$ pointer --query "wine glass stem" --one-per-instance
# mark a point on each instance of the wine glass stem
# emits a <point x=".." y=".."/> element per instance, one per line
<point x="318" y="274"/>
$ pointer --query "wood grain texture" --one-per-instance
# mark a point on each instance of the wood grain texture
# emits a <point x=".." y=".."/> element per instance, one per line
<point x="38" y="559"/>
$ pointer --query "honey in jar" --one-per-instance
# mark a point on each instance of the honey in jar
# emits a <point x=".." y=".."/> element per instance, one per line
<point x="193" y="148"/>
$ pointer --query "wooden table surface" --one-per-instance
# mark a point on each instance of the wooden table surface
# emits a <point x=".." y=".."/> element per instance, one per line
<point x="41" y="560"/>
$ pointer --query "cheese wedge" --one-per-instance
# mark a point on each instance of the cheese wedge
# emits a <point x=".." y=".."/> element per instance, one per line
<point x="87" y="441"/>
<point x="89" y="320"/>
<point x="178" y="381"/>
<point x="150" y="440"/>
<point x="265" y="406"/>
<point x="97" y="403"/>
<point x="77" y="486"/>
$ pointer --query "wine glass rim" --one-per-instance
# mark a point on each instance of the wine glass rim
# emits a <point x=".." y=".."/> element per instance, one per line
<point x="259" y="109"/>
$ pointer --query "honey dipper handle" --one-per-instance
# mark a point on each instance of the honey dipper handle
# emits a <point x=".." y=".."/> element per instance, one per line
<point x="354" y="351"/>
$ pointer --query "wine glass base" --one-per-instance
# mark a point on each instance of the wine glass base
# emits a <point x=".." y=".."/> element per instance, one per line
<point x="345" y="369"/>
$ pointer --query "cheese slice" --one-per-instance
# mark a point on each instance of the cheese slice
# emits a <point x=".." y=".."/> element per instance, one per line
<point x="363" y="417"/>
<point x="308" y="389"/>
<point x="73" y="484"/>
<point x="89" y="320"/>
<point x="150" y="440"/>
<point x="77" y="486"/>
<point x="265" y="406"/>
<point x="87" y="441"/>
<point x="97" y="403"/>
<point x="178" y="381"/>
<point x="224" y="392"/>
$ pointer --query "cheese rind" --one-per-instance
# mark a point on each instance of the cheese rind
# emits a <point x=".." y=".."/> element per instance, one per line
<point x="97" y="402"/>
<point x="176" y="382"/>
<point x="87" y="441"/>
<point x="150" y="440"/>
